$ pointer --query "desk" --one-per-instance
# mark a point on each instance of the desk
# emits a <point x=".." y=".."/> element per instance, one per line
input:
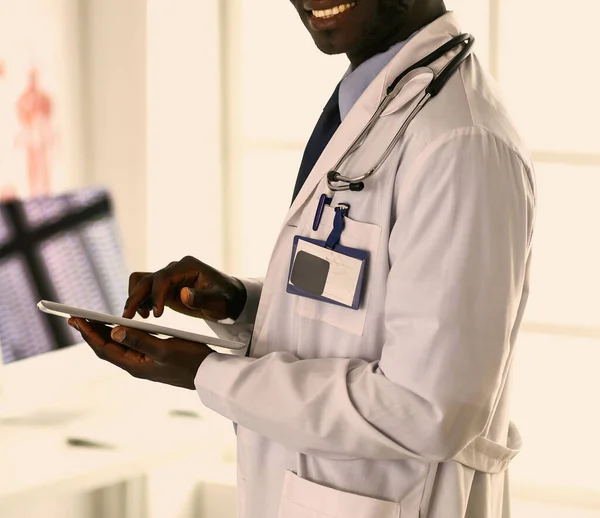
<point x="71" y="393"/>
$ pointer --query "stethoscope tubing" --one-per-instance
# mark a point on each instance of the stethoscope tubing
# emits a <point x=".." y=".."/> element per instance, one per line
<point x="434" y="87"/>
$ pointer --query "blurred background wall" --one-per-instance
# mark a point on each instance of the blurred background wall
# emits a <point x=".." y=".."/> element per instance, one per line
<point x="195" y="114"/>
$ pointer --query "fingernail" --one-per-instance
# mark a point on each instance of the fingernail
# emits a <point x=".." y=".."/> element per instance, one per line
<point x="74" y="325"/>
<point x="155" y="311"/>
<point x="190" y="296"/>
<point x="118" y="334"/>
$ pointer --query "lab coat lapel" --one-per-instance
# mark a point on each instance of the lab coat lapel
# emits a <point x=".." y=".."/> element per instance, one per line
<point x="426" y="41"/>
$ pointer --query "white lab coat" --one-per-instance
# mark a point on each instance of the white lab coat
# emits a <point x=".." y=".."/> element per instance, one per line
<point x="398" y="409"/>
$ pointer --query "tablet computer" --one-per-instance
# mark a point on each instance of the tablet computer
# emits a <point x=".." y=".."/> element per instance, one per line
<point x="62" y="310"/>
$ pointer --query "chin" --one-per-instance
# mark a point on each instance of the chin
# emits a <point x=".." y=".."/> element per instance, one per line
<point x="331" y="44"/>
<point x="330" y="50"/>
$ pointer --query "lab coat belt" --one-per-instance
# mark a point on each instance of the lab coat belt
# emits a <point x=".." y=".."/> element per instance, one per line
<point x="488" y="456"/>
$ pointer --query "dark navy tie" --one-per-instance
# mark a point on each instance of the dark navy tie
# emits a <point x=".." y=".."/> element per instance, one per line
<point x="327" y="125"/>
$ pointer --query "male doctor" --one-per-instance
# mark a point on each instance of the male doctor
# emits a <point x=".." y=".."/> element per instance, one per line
<point x="399" y="408"/>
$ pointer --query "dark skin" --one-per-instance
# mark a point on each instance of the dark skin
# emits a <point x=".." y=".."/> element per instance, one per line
<point x="194" y="288"/>
<point x="369" y="28"/>
<point x="171" y="361"/>
<point x="187" y="286"/>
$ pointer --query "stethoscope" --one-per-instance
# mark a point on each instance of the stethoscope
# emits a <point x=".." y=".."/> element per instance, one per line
<point x="338" y="182"/>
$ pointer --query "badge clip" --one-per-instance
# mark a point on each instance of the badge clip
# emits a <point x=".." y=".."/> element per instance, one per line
<point x="341" y="211"/>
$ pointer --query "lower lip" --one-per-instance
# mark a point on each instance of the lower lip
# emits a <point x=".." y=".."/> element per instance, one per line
<point x="327" y="24"/>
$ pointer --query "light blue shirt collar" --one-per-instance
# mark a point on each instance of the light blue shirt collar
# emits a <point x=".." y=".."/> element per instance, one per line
<point x="356" y="81"/>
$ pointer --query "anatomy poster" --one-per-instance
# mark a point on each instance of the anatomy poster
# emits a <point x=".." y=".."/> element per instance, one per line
<point x="35" y="72"/>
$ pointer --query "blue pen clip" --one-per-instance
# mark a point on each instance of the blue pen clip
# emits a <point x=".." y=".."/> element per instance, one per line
<point x="324" y="200"/>
<point x="341" y="211"/>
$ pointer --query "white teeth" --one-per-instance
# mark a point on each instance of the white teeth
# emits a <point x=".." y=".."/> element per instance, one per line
<point x="328" y="13"/>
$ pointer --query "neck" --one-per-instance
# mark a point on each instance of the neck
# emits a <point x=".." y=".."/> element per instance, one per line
<point x="420" y="14"/>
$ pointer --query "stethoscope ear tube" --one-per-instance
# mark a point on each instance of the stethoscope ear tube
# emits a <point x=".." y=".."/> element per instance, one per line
<point x="463" y="39"/>
<point x="332" y="176"/>
<point x="351" y="185"/>
<point x="440" y="81"/>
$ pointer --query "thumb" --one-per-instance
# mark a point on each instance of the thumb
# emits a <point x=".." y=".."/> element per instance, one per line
<point x="213" y="301"/>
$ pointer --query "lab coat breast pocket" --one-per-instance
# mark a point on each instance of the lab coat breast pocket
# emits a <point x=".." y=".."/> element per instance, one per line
<point x="304" y="499"/>
<point x="363" y="236"/>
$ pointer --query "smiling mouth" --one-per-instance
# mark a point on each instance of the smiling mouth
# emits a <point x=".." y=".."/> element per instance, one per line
<point x="331" y="13"/>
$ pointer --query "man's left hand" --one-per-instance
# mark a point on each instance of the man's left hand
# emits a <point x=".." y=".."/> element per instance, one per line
<point x="171" y="361"/>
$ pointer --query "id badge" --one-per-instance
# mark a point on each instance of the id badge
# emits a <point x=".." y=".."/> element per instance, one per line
<point x="326" y="270"/>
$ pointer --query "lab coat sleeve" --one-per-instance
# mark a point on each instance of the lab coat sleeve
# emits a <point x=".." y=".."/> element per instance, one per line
<point x="240" y="330"/>
<point x="458" y="250"/>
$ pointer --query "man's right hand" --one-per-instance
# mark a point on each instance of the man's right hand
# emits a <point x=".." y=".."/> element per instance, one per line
<point x="188" y="286"/>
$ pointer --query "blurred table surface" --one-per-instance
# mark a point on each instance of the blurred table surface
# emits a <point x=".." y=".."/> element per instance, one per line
<point x="70" y="393"/>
